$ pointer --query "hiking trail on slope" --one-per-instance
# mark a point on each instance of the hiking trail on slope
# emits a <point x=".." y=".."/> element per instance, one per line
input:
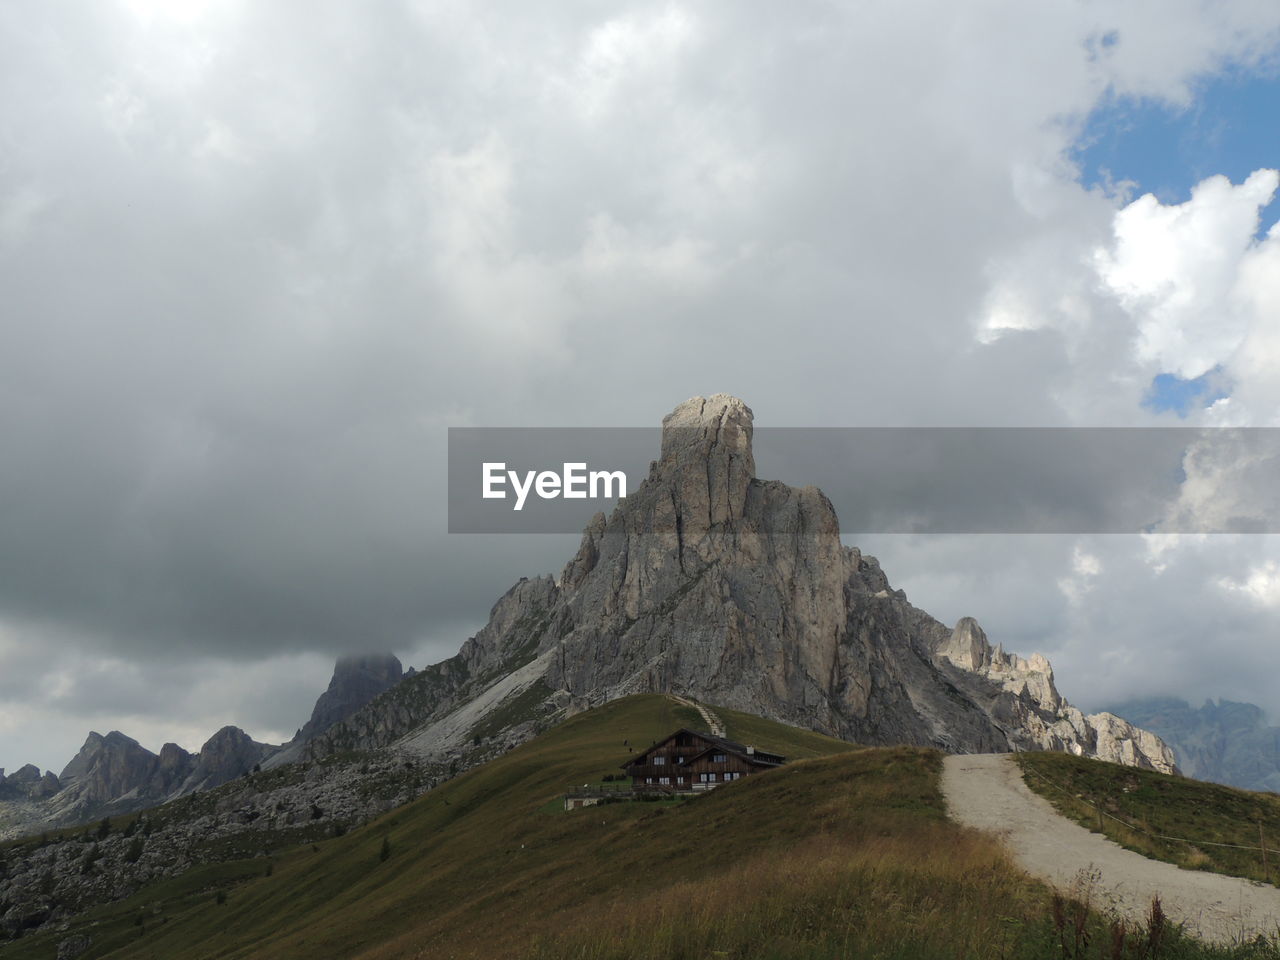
<point x="987" y="791"/>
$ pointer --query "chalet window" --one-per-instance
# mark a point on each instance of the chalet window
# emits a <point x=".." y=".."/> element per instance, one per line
<point x="679" y="759"/>
<point x="708" y="777"/>
<point x="648" y="779"/>
<point x="718" y="758"/>
<point x="664" y="780"/>
<point x="659" y="761"/>
<point x="679" y="779"/>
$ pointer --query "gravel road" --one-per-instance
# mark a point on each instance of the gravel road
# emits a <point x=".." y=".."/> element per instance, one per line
<point x="986" y="791"/>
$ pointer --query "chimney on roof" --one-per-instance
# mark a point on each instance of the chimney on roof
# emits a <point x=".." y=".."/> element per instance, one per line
<point x="751" y="751"/>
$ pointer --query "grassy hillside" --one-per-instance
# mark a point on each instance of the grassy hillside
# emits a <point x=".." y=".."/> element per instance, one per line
<point x="846" y="854"/>
<point x="1216" y="823"/>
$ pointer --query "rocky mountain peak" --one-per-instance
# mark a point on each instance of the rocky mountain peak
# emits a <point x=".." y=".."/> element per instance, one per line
<point x="708" y="582"/>
<point x="967" y="647"/>
<point x="706" y="462"/>
<point x="28" y="783"/>
<point x="172" y="755"/>
<point x="356" y="680"/>
<point x="716" y="429"/>
<point x="227" y="754"/>
<point x="97" y="750"/>
<point x="108" y="767"/>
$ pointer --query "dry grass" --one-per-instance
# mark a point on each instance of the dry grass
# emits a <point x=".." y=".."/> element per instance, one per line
<point x="930" y="894"/>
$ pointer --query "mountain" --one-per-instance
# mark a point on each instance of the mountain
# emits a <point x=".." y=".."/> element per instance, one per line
<point x="1224" y="742"/>
<point x="712" y="583"/>
<point x="706" y="582"/>
<point x="114" y="774"/>
<point x="27" y="783"/>
<point x="356" y="680"/>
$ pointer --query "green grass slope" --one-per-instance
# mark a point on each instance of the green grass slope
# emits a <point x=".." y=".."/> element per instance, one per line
<point x="845" y="852"/>
<point x="1221" y="829"/>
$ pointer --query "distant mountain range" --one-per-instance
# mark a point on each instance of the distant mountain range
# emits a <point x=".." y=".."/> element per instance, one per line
<point x="1225" y="742"/>
<point x="115" y="774"/>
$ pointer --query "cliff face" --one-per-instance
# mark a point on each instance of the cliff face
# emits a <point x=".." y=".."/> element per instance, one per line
<point x="106" y="768"/>
<point x="711" y="583"/>
<point x="26" y="783"/>
<point x="356" y="681"/>
<point x="1041" y="718"/>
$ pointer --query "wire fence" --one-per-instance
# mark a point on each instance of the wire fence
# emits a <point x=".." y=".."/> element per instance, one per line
<point x="1261" y="848"/>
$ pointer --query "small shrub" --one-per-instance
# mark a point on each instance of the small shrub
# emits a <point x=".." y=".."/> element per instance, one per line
<point x="1157" y="927"/>
<point x="91" y="856"/>
<point x="134" y="853"/>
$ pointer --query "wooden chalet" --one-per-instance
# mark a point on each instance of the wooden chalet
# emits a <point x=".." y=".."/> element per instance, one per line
<point x="692" y="761"/>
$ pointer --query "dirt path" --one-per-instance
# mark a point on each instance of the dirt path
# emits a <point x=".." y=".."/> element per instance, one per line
<point x="710" y="719"/>
<point x="986" y="791"/>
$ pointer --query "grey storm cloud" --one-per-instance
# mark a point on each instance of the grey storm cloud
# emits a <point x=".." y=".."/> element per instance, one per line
<point x="255" y="259"/>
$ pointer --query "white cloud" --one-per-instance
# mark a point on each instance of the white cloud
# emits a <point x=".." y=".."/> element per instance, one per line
<point x="1177" y="271"/>
<point x="1085" y="568"/>
<point x="1261" y="584"/>
<point x="630" y="55"/>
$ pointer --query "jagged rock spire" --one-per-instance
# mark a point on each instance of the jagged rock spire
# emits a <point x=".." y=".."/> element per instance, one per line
<point x="707" y="458"/>
<point x="709" y="582"/>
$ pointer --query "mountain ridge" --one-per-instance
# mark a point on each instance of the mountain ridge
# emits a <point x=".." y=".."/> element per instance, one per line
<point x="113" y="773"/>
<point x="705" y="582"/>
<point x="711" y="583"/>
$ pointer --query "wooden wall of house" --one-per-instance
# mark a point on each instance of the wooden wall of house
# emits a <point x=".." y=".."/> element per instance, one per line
<point x="732" y="764"/>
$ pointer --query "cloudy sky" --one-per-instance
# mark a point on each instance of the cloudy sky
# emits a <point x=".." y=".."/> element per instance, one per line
<point x="256" y="258"/>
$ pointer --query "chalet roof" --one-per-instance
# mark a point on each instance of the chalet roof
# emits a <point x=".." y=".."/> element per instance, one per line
<point x="756" y="759"/>
<point x="713" y="743"/>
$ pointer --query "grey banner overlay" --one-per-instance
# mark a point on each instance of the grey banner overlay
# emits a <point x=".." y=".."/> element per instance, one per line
<point x="920" y="480"/>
